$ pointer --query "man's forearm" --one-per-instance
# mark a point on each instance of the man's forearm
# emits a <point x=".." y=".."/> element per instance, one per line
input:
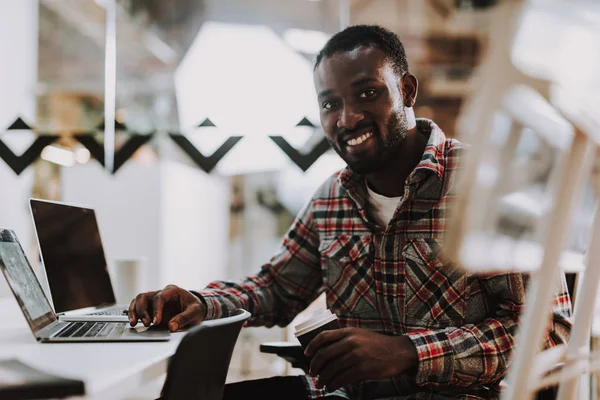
<point x="464" y="356"/>
<point x="263" y="295"/>
<point x="221" y="303"/>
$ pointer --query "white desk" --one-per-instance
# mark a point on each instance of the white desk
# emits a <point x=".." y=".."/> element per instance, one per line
<point x="109" y="370"/>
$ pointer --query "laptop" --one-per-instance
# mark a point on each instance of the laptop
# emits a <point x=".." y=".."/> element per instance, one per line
<point x="73" y="257"/>
<point x="44" y="323"/>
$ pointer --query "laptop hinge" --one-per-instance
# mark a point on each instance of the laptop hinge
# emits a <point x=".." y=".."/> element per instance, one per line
<point x="45" y="331"/>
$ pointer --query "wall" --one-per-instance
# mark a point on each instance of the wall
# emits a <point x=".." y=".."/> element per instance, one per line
<point x="18" y="79"/>
<point x="174" y="215"/>
<point x="14" y="211"/>
<point x="194" y="234"/>
<point x="127" y="207"/>
<point x="18" y="51"/>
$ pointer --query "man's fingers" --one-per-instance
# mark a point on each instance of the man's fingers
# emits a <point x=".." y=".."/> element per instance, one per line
<point x="133" y="319"/>
<point x="334" y="367"/>
<point x="168" y="294"/>
<point x="324" y="338"/>
<point x="142" y="304"/>
<point x="153" y="307"/>
<point x="158" y="302"/>
<point x="192" y="315"/>
<point x="327" y="354"/>
<point x="350" y="375"/>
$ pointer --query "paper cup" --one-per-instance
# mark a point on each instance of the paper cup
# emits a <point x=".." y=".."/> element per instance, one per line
<point x="321" y="320"/>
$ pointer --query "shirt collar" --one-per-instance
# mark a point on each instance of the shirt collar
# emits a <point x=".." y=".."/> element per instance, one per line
<point x="434" y="154"/>
<point x="432" y="159"/>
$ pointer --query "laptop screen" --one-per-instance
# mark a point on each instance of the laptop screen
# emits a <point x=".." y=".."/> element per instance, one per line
<point x="23" y="282"/>
<point x="73" y="256"/>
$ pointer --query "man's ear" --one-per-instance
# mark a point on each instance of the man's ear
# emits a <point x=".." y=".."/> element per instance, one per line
<point x="409" y="87"/>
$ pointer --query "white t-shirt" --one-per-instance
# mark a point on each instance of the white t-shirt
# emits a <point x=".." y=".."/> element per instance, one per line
<point x="382" y="208"/>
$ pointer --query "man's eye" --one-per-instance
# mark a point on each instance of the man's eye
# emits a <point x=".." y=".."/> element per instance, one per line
<point x="328" y="105"/>
<point x="367" y="94"/>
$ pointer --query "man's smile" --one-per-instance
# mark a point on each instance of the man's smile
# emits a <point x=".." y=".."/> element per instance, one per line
<point x="358" y="142"/>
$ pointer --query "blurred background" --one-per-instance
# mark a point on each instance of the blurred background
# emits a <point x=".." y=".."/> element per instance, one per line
<point x="198" y="72"/>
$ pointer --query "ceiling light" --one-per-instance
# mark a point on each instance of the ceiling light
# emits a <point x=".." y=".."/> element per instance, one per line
<point x="259" y="87"/>
<point x="82" y="155"/>
<point x="305" y="41"/>
<point x="59" y="156"/>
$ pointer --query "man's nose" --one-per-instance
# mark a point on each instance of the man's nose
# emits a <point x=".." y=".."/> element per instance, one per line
<point x="349" y="117"/>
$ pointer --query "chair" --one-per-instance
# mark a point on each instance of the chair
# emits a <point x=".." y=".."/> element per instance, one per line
<point x="198" y="368"/>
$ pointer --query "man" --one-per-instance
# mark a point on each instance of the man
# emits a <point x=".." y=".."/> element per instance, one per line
<point x="412" y="324"/>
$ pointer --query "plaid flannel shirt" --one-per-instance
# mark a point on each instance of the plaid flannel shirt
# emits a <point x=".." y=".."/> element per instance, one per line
<point x="393" y="280"/>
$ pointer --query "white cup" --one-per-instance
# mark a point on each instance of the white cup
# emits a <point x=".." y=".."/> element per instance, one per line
<point x="126" y="278"/>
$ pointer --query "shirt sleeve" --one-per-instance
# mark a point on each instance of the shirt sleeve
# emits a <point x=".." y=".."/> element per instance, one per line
<point x="286" y="285"/>
<point x="480" y="353"/>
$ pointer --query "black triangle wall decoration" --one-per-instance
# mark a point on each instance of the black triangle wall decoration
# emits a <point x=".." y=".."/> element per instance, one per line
<point x="89" y="142"/>
<point x="129" y="148"/>
<point x="206" y="123"/>
<point x="118" y="126"/>
<point x="19" y="124"/>
<point x="204" y="162"/>
<point x="305" y="122"/>
<point x="132" y="144"/>
<point x="19" y="163"/>
<point x="304" y="161"/>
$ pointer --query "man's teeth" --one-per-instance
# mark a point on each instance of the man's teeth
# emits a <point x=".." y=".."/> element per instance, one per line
<point x="360" y="139"/>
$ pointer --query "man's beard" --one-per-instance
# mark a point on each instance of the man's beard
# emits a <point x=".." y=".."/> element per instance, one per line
<point x="397" y="130"/>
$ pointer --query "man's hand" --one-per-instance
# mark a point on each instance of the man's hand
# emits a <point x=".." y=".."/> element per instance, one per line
<point x="352" y="355"/>
<point x="173" y="305"/>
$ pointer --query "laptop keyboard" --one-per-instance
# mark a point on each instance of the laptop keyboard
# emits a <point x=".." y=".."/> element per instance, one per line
<point x="110" y="311"/>
<point x="93" y="329"/>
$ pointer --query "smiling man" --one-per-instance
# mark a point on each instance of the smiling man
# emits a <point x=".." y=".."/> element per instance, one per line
<point x="413" y="326"/>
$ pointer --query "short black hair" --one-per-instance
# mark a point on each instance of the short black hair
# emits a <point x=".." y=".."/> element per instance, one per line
<point x="370" y="36"/>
